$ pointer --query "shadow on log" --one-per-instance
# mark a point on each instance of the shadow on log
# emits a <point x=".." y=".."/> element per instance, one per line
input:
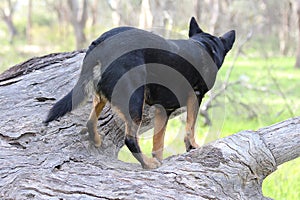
<point x="56" y="162"/>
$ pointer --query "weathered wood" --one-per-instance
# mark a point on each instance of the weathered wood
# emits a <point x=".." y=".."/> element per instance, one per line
<point x="56" y="162"/>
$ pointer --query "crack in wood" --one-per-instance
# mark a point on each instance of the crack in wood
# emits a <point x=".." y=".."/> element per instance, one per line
<point x="17" y="144"/>
<point x="43" y="99"/>
<point x="9" y="82"/>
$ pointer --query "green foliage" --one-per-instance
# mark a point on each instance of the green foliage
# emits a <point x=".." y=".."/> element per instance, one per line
<point x="284" y="183"/>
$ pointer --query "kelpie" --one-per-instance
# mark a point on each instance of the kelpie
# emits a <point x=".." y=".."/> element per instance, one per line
<point x="130" y="67"/>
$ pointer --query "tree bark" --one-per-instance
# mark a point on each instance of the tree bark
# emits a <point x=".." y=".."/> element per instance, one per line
<point x="40" y="162"/>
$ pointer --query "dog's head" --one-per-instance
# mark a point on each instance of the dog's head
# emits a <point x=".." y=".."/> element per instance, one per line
<point x="217" y="47"/>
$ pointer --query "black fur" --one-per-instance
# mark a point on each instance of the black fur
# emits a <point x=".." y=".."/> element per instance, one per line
<point x="60" y="108"/>
<point x="107" y="35"/>
<point x="194" y="28"/>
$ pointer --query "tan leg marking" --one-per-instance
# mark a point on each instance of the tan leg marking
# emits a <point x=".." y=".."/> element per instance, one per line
<point x="150" y="163"/>
<point x="132" y="142"/>
<point x="98" y="105"/>
<point x="160" y="124"/>
<point x="192" y="111"/>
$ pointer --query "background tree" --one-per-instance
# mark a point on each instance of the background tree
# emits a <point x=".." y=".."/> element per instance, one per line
<point x="146" y="17"/>
<point x="94" y="11"/>
<point x="78" y="14"/>
<point x="297" y="65"/>
<point x="60" y="9"/>
<point x="7" y="10"/>
<point x="284" y="35"/>
<point x="29" y="22"/>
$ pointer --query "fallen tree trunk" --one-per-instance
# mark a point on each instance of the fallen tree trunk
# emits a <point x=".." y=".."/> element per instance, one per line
<point x="39" y="162"/>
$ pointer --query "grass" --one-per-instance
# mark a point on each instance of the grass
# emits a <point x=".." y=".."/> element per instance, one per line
<point x="284" y="183"/>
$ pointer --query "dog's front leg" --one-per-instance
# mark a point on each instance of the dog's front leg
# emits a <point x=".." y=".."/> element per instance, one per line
<point x="192" y="108"/>
<point x="160" y="124"/>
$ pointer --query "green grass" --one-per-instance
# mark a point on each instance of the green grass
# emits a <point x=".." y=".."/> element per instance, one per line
<point x="258" y="102"/>
<point x="284" y="183"/>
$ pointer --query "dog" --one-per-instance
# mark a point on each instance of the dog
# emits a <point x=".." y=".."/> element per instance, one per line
<point x="130" y="67"/>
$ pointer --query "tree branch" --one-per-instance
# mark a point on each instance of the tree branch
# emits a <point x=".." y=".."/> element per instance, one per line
<point x="56" y="162"/>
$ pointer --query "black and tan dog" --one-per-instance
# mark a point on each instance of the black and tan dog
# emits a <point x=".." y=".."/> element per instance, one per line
<point x="130" y="67"/>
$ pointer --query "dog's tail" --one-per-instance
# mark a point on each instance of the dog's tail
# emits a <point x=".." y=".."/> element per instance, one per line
<point x="60" y="108"/>
<point x="77" y="96"/>
<point x="72" y="100"/>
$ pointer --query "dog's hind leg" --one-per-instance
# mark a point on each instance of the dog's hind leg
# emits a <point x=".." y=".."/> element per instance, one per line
<point x="132" y="125"/>
<point x="160" y="124"/>
<point x="131" y="141"/>
<point x="98" y="105"/>
<point x="192" y="108"/>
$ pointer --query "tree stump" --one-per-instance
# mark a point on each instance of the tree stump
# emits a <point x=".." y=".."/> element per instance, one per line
<point x="56" y="162"/>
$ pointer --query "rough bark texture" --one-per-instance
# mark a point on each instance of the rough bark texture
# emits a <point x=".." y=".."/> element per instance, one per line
<point x="56" y="162"/>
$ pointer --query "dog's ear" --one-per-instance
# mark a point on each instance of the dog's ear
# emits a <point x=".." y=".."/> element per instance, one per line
<point x="228" y="39"/>
<point x="194" y="27"/>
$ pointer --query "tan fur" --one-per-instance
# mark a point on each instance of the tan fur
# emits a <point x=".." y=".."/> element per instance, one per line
<point x="98" y="105"/>
<point x="192" y="111"/>
<point x="160" y="124"/>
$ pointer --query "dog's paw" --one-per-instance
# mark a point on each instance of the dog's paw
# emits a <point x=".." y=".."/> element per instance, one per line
<point x="93" y="137"/>
<point x="96" y="139"/>
<point x="151" y="163"/>
<point x="189" y="146"/>
<point x="157" y="155"/>
<point x="83" y="131"/>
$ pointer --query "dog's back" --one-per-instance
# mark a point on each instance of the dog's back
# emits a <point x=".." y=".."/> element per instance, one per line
<point x="155" y="60"/>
